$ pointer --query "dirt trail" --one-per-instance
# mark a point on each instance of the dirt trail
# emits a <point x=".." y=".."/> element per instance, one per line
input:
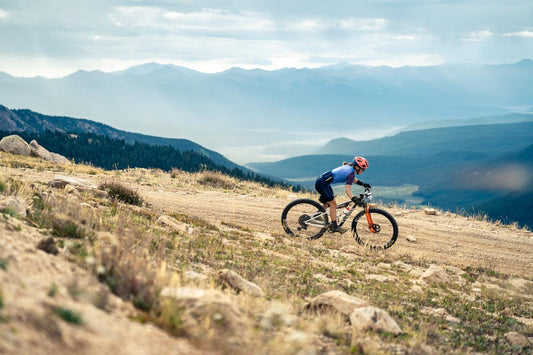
<point x="442" y="238"/>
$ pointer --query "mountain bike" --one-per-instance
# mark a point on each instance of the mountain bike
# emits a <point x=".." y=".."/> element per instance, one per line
<point x="309" y="219"/>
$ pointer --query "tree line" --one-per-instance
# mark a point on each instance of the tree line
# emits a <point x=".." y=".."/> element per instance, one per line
<point x="111" y="153"/>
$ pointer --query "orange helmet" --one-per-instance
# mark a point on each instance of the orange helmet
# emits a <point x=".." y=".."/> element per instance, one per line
<point x="360" y="162"/>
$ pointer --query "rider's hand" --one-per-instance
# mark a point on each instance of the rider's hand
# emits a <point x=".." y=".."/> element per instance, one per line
<point x="365" y="185"/>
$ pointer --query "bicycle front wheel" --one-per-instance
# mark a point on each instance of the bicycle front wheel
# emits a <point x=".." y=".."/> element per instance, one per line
<point x="304" y="218"/>
<point x="376" y="230"/>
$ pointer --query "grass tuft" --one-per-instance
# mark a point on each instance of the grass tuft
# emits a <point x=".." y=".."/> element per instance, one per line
<point x="68" y="315"/>
<point x="122" y="193"/>
<point x="216" y="180"/>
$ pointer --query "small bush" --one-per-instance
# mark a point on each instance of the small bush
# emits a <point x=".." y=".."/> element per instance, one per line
<point x="122" y="193"/>
<point x="216" y="180"/>
<point x="3" y="264"/>
<point x="68" y="315"/>
<point x="67" y="229"/>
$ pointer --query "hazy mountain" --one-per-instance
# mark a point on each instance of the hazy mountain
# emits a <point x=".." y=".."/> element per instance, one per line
<point x="29" y="121"/>
<point x="240" y="108"/>
<point x="490" y="139"/>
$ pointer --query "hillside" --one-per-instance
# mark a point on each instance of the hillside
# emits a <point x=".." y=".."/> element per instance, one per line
<point x="83" y="271"/>
<point x="493" y="139"/>
<point x="29" y="121"/>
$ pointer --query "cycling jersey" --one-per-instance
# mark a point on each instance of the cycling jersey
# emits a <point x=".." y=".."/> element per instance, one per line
<point x="343" y="174"/>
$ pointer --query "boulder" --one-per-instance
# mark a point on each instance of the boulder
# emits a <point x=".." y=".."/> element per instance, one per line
<point x="41" y="152"/>
<point x="516" y="339"/>
<point x="167" y="221"/>
<point x="374" y="318"/>
<point x="60" y="182"/>
<point x="15" y="145"/>
<point x="238" y="283"/>
<point x="207" y="307"/>
<point x="338" y="301"/>
<point x="435" y="275"/>
<point x="15" y="205"/>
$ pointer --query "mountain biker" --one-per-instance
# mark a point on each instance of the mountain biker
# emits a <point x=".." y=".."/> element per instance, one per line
<point x="343" y="174"/>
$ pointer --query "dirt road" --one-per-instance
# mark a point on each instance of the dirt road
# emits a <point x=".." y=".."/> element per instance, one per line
<point x="442" y="238"/>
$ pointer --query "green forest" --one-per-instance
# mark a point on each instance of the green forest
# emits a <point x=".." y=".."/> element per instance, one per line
<point x="110" y="153"/>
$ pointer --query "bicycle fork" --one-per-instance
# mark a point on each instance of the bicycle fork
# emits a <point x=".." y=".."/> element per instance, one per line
<point x="369" y="219"/>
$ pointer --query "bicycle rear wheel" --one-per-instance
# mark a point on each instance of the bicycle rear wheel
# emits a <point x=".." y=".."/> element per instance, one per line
<point x="304" y="218"/>
<point x="381" y="233"/>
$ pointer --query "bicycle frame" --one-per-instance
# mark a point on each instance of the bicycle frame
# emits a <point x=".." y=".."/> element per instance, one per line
<point x="363" y="201"/>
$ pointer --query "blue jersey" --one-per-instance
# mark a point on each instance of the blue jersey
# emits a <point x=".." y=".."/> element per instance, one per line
<point x="343" y="174"/>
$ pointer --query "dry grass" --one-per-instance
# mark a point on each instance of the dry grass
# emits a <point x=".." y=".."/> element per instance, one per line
<point x="136" y="258"/>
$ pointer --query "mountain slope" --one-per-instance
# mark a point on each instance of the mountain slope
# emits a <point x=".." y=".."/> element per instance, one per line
<point x="493" y="139"/>
<point x="29" y="121"/>
<point x="248" y="107"/>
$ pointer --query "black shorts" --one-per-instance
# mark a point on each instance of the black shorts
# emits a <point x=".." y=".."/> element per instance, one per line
<point x="324" y="189"/>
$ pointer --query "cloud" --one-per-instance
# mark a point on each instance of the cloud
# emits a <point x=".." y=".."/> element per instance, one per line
<point x="478" y="36"/>
<point x="524" y="34"/>
<point x="3" y="14"/>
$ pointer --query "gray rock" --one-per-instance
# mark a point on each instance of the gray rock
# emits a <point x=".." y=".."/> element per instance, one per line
<point x="15" y="145"/>
<point x="435" y="275"/>
<point x="60" y="182"/>
<point x="15" y="205"/>
<point x="239" y="284"/>
<point x="338" y="301"/>
<point x="374" y="318"/>
<point x="517" y="339"/>
<point x="41" y="152"/>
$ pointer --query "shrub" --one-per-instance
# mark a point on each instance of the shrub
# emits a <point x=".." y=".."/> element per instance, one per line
<point x="67" y="229"/>
<point x="216" y="180"/>
<point x="122" y="193"/>
<point x="68" y="315"/>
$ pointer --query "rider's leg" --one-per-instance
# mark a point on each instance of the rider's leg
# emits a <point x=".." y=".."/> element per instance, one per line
<point x="333" y="210"/>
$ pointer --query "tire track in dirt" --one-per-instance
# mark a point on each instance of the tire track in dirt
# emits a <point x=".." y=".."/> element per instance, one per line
<point x="445" y="238"/>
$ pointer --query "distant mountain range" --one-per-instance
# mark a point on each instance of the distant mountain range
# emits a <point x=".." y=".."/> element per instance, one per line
<point x="239" y="108"/>
<point x="29" y="121"/>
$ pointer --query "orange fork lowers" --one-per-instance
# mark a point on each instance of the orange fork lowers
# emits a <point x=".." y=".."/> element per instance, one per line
<point x="369" y="219"/>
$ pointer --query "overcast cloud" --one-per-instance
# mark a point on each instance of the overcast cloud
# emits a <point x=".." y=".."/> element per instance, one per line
<point x="57" y="37"/>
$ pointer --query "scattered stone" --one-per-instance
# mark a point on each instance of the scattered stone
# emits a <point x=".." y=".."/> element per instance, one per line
<point x="175" y="225"/>
<point x="435" y="275"/>
<point x="14" y="205"/>
<point x="238" y="283"/>
<point x="411" y="238"/>
<point x="375" y="319"/>
<point x="276" y="316"/>
<point x="338" y="301"/>
<point x="516" y="339"/>
<point x="48" y="245"/>
<point x="60" y="182"/>
<point x="194" y="276"/>
<point x="15" y="145"/>
<point x="207" y="304"/>
<point x="430" y="211"/>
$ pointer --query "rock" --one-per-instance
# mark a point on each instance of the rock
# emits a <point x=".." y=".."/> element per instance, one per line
<point x="337" y="301"/>
<point x="411" y="239"/>
<point x="435" y="275"/>
<point x="14" y="204"/>
<point x="375" y="319"/>
<point x="60" y="182"/>
<point x="167" y="221"/>
<point x="239" y="284"/>
<point x="15" y="145"/>
<point x="48" y="245"/>
<point x="41" y="152"/>
<point x="207" y="307"/>
<point x="276" y="316"/>
<point x="430" y="211"/>
<point x="517" y="339"/>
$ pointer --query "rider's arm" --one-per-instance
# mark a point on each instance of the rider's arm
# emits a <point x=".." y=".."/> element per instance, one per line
<point x="348" y="190"/>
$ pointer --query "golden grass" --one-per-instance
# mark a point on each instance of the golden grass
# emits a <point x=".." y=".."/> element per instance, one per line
<point x="135" y="259"/>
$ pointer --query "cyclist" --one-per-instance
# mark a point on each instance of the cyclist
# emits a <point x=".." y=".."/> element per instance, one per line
<point x="343" y="174"/>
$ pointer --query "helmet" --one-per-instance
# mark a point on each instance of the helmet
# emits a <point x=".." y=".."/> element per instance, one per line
<point x="360" y="162"/>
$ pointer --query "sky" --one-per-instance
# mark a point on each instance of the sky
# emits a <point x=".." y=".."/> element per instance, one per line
<point x="53" y="38"/>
